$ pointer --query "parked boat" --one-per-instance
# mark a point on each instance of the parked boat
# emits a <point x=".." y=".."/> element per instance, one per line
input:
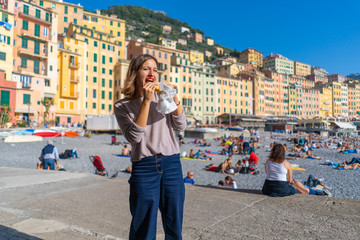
<point x="71" y="134"/>
<point x="205" y="130"/>
<point x="21" y="133"/>
<point x="22" y="138"/>
<point x="48" y="134"/>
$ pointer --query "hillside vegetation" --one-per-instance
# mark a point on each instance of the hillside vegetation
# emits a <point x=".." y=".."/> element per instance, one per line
<point x="146" y="23"/>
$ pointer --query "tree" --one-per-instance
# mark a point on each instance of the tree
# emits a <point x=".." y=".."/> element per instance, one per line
<point x="5" y="115"/>
<point x="47" y="102"/>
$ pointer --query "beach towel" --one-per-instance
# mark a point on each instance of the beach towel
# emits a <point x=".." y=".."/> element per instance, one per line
<point x="356" y="169"/>
<point x="211" y="153"/>
<point x="187" y="158"/>
<point x="120" y="155"/>
<point x="299" y="169"/>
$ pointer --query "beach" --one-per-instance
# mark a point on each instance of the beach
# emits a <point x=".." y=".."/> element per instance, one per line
<point x="342" y="182"/>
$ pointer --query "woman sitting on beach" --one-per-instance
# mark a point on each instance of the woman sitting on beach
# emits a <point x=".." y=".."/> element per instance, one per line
<point x="279" y="181"/>
<point x="230" y="182"/>
<point x="296" y="148"/>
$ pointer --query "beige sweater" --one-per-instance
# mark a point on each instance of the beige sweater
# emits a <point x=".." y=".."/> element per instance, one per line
<point x="158" y="135"/>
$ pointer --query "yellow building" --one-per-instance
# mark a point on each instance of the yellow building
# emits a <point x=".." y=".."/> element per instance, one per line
<point x="336" y="99"/>
<point x="70" y="75"/>
<point x="326" y="109"/>
<point x="67" y="13"/>
<point x="165" y="42"/>
<point x="107" y="24"/>
<point x="302" y="69"/>
<point x="100" y="58"/>
<point x="252" y="56"/>
<point x="6" y="43"/>
<point x="196" y="57"/>
<point x="246" y="95"/>
<point x="121" y="69"/>
<point x="228" y="95"/>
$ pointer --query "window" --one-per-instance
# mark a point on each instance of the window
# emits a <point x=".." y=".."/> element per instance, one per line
<point x="36" y="47"/>
<point x="110" y="72"/>
<point x="26" y="98"/>
<point x="46" y="31"/>
<point x="103" y="70"/>
<point x="75" y="10"/>
<point x="110" y="83"/>
<point x="53" y="6"/>
<point x="66" y="19"/>
<point x="38" y="13"/>
<point x="26" y="9"/>
<point x="65" y="29"/>
<point x="5" y="98"/>
<point x="47" y="17"/>
<point x="103" y="46"/>
<point x="94" y="80"/>
<point x="95" y="43"/>
<point x="37" y="30"/>
<point x="94" y="93"/>
<point x="75" y="21"/>
<point x="41" y="3"/>
<point x="118" y="34"/>
<point x="95" y="69"/>
<point x="103" y="82"/>
<point x="95" y="57"/>
<point x="102" y="94"/>
<point x="51" y="67"/>
<point x="103" y="59"/>
<point x="103" y="106"/>
<point x="36" y="67"/>
<point x="24" y="43"/>
<point x="2" y="56"/>
<point x="66" y="10"/>
<point x="94" y="105"/>
<point x="111" y="23"/>
<point x="118" y="24"/>
<point x="25" y="25"/>
<point x="110" y="60"/>
<point x="109" y="107"/>
<point x="23" y="62"/>
<point x="110" y="95"/>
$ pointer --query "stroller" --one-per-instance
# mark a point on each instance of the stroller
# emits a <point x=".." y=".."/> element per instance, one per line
<point x="98" y="164"/>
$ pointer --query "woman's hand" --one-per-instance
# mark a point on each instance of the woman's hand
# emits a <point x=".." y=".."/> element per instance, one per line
<point x="149" y="90"/>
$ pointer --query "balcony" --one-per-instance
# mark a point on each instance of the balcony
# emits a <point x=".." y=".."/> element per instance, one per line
<point x="29" y="70"/>
<point x="30" y="53"/>
<point x="327" y="102"/>
<point x="324" y="109"/>
<point x="32" y="15"/>
<point x="25" y="33"/>
<point x="75" y="96"/>
<point x="74" y="79"/>
<point x="73" y="64"/>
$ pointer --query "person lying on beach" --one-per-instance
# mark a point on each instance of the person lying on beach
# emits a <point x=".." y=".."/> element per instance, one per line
<point x="296" y="148"/>
<point x="350" y="166"/>
<point x="203" y="143"/>
<point x="309" y="155"/>
<point x="201" y="155"/>
<point x="224" y="167"/>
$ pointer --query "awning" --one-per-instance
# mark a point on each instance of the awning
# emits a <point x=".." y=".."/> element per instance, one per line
<point x="345" y="125"/>
<point x="358" y="112"/>
<point x="197" y="118"/>
<point x="25" y="110"/>
<point x="252" y="120"/>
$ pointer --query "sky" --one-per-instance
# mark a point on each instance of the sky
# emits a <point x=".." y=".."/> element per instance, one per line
<point x="317" y="32"/>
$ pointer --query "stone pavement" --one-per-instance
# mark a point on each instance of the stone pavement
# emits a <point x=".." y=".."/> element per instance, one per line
<point x="64" y="206"/>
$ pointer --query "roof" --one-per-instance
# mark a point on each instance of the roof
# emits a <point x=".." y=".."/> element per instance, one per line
<point x="345" y="125"/>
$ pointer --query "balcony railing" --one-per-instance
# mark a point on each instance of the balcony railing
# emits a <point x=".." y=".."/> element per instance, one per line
<point x="31" y="53"/>
<point x="25" y="33"/>
<point x="32" y="14"/>
<point x="75" y="79"/>
<point x="74" y="64"/>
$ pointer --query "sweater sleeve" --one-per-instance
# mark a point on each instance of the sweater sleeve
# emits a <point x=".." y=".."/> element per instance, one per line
<point x="131" y="131"/>
<point x="178" y="122"/>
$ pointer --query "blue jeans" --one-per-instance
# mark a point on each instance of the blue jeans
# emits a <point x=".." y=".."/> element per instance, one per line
<point x="74" y="154"/>
<point x="156" y="182"/>
<point x="49" y="162"/>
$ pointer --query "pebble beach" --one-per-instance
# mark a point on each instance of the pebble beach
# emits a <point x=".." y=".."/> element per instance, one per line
<point x="343" y="182"/>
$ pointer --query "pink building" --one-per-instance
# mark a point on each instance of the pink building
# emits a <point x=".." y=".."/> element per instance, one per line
<point x="8" y="95"/>
<point x="310" y="102"/>
<point x="166" y="29"/>
<point x="182" y="41"/>
<point x="280" y="92"/>
<point x="337" y="78"/>
<point x="198" y="37"/>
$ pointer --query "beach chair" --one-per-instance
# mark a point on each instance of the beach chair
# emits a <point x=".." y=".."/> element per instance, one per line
<point x="98" y="164"/>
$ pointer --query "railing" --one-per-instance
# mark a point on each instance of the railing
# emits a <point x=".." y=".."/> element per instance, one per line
<point x="31" y="52"/>
<point x="74" y="64"/>
<point x="32" y="14"/>
<point x="76" y="79"/>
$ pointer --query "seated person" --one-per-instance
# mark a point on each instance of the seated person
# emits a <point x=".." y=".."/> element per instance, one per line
<point x="224" y="167"/>
<point x="201" y="155"/>
<point x="246" y="147"/>
<point x="230" y="182"/>
<point x="253" y="159"/>
<point x="224" y="152"/>
<point x="296" y="148"/>
<point x="114" y="141"/>
<point x="125" y="151"/>
<point x="203" y="143"/>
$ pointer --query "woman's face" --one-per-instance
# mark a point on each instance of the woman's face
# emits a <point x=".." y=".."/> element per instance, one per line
<point x="147" y="73"/>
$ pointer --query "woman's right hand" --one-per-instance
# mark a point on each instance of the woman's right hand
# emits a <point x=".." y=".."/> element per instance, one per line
<point x="149" y="90"/>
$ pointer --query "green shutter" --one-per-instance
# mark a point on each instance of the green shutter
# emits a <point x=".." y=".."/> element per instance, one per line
<point x="8" y="40"/>
<point x="102" y="94"/>
<point x="41" y="3"/>
<point x="37" y="47"/>
<point x="103" y="82"/>
<point x="36" y="67"/>
<point x="95" y="57"/>
<point x="38" y="13"/>
<point x="47" y="17"/>
<point x="26" y="98"/>
<point x="25" y="25"/>
<point x="5" y="17"/>
<point x="2" y="56"/>
<point x="110" y="59"/>
<point x="66" y="9"/>
<point x="5" y="98"/>
<point x="110" y="83"/>
<point x="103" y="59"/>
<point x="23" y="62"/>
<point x="24" y="43"/>
<point x="110" y="95"/>
<point x="37" y="30"/>
<point x="26" y="9"/>
<point x="103" y="106"/>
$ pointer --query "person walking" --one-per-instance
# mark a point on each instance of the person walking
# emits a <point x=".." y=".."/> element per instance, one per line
<point x="49" y="156"/>
<point x="156" y="180"/>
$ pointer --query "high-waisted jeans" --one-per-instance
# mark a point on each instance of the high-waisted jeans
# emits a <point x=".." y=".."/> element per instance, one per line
<point x="156" y="182"/>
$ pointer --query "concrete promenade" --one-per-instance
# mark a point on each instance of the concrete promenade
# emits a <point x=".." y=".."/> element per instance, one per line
<point x="64" y="206"/>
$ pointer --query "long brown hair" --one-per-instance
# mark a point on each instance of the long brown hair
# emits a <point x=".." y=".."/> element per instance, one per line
<point x="129" y="89"/>
<point x="277" y="153"/>
<point x="231" y="180"/>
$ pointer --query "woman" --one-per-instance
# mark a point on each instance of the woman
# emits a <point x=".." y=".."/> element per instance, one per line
<point x="156" y="179"/>
<point x="230" y="182"/>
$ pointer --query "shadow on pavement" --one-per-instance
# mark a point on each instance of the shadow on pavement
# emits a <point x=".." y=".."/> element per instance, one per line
<point x="252" y="191"/>
<point x="7" y="233"/>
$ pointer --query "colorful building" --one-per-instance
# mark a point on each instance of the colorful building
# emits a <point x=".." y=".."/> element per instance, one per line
<point x="66" y="12"/>
<point x="344" y="100"/>
<point x="280" y="92"/>
<point x="300" y="80"/>
<point x="318" y="75"/>
<point x="35" y="61"/>
<point x="252" y="56"/>
<point x="336" y="99"/>
<point x="166" y="29"/>
<point x="100" y="58"/>
<point x="326" y="101"/>
<point x="7" y="96"/>
<point x="182" y="41"/>
<point x="165" y="42"/>
<point x="6" y="42"/>
<point x="198" y="37"/>
<point x="336" y="78"/>
<point x="107" y="24"/>
<point x="278" y="63"/>
<point x="310" y="102"/>
<point x="196" y="57"/>
<point x="121" y="69"/>
<point x="302" y="69"/>
<point x="209" y="41"/>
